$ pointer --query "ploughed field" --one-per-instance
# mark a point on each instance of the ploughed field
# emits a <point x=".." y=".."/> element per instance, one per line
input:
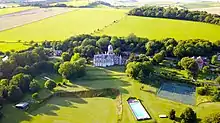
<point x="78" y="21"/>
<point x="158" y="28"/>
<point x="13" y="10"/>
<point x="13" y="20"/>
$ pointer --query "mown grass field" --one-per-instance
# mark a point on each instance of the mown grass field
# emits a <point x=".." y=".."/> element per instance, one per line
<point x="12" y="46"/>
<point x="156" y="28"/>
<point x="102" y="110"/>
<point x="12" y="10"/>
<point x="74" y="3"/>
<point x="63" y="26"/>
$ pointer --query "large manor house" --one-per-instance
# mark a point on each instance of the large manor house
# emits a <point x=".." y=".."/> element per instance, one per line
<point x="108" y="59"/>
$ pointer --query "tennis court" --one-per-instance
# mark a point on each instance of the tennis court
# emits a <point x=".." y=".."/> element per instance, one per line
<point x="179" y="92"/>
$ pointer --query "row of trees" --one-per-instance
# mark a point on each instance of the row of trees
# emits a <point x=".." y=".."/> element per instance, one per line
<point x="175" y="13"/>
<point x="88" y="45"/>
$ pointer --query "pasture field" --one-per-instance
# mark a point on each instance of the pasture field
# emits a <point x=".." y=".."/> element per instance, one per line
<point x="96" y="109"/>
<point x="81" y="21"/>
<point x="12" y="46"/>
<point x="13" y="10"/>
<point x="157" y="28"/>
<point x="74" y="3"/>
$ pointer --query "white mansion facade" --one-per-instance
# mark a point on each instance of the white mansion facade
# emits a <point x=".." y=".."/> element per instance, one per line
<point x="108" y="59"/>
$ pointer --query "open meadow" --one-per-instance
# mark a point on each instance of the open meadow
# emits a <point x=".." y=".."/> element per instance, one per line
<point x="156" y="28"/>
<point x="65" y="25"/>
<point x="13" y="10"/>
<point x="102" y="110"/>
<point x="12" y="46"/>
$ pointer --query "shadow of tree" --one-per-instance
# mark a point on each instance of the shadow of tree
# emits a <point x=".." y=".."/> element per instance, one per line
<point x="14" y="115"/>
<point x="54" y="104"/>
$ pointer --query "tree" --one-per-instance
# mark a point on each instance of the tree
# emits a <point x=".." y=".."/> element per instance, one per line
<point x="103" y="43"/>
<point x="65" y="56"/>
<point x="4" y="82"/>
<point x="133" y="69"/>
<point x="66" y="69"/>
<point x="35" y="96"/>
<point x="14" y="93"/>
<point x="50" y="84"/>
<point x="205" y="69"/>
<point x="190" y="65"/>
<point x="188" y="116"/>
<point x="34" y="86"/>
<point x="22" y="81"/>
<point x="212" y="118"/>
<point x="172" y="114"/>
<point x="159" y="57"/>
<point x="214" y="59"/>
<point x="218" y="79"/>
<point x="75" y="57"/>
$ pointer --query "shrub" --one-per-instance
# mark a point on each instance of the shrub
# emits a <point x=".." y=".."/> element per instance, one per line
<point x="35" y="96"/>
<point x="216" y="97"/>
<point x="34" y="86"/>
<point x="50" y="84"/>
<point x="213" y="118"/>
<point x="172" y="114"/>
<point x="201" y="91"/>
<point x="218" y="79"/>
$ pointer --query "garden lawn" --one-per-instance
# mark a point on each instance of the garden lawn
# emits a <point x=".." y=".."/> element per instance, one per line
<point x="12" y="46"/>
<point x="102" y="110"/>
<point x="13" y="10"/>
<point x="81" y="21"/>
<point x="68" y="110"/>
<point x="158" y="28"/>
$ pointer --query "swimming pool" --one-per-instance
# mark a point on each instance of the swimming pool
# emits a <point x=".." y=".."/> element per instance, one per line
<point x="138" y="109"/>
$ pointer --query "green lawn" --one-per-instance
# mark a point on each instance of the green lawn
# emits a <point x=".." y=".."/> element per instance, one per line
<point x="102" y="110"/>
<point x="12" y="46"/>
<point x="156" y="28"/>
<point x="63" y="26"/>
<point x="67" y="110"/>
<point x="12" y="10"/>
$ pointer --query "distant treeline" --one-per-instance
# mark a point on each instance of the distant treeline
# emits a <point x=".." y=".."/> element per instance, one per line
<point x="175" y="13"/>
<point x="87" y="46"/>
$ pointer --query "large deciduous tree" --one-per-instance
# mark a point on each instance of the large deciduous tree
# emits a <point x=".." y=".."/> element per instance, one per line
<point x="190" y="65"/>
<point x="188" y="116"/>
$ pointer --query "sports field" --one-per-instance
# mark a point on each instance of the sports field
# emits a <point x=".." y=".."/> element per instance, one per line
<point x="156" y="28"/>
<point x="63" y="26"/>
<point x="13" y="10"/>
<point x="178" y="92"/>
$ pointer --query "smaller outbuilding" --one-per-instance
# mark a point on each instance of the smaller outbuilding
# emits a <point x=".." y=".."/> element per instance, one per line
<point x="162" y="116"/>
<point x="22" y="105"/>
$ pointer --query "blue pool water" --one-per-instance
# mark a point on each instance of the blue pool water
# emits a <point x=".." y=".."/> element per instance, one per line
<point x="138" y="110"/>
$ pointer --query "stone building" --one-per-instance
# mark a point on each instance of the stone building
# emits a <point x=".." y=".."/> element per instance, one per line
<point x="108" y="59"/>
